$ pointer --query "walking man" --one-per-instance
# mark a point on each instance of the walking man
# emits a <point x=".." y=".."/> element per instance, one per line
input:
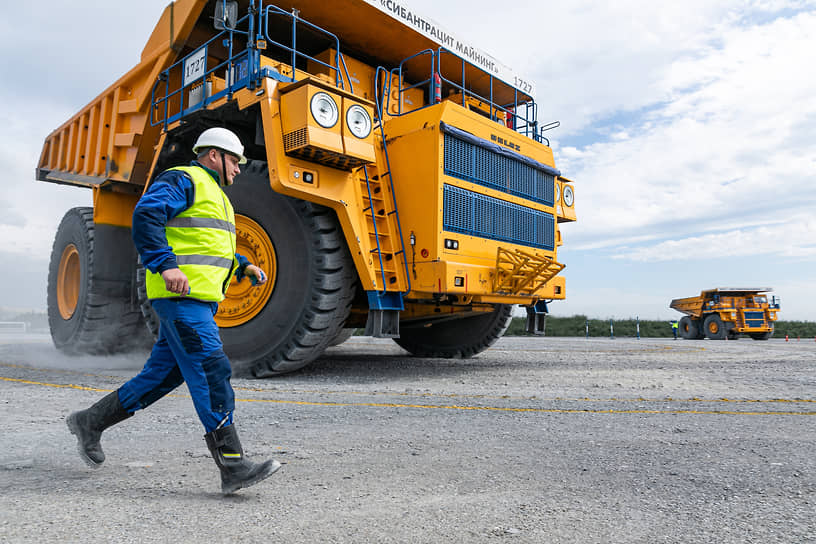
<point x="184" y="230"/>
<point x="674" y="326"/>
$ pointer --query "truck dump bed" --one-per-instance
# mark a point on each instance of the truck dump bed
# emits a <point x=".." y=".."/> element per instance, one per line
<point x="690" y="305"/>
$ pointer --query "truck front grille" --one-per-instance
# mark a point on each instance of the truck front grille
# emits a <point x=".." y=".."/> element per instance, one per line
<point x="754" y="320"/>
<point x="470" y="162"/>
<point x="470" y="213"/>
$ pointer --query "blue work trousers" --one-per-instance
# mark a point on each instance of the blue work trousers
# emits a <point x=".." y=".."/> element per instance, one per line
<point x="188" y="350"/>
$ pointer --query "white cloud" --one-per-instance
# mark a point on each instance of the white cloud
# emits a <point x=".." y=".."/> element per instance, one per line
<point x="795" y="238"/>
<point x="727" y="145"/>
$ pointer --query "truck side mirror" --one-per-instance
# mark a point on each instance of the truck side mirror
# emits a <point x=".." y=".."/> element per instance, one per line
<point x="226" y="15"/>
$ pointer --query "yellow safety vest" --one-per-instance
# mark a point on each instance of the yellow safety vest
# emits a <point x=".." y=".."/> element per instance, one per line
<point x="203" y="240"/>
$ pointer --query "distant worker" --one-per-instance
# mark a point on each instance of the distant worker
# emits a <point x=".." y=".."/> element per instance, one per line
<point x="675" y="325"/>
<point x="184" y="230"/>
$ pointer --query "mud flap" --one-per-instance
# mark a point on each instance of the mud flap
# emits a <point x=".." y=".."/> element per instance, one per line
<point x="382" y="324"/>
<point x="537" y="318"/>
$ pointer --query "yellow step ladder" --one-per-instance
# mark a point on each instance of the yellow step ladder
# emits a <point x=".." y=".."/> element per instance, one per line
<point x="382" y="223"/>
<point x="522" y="273"/>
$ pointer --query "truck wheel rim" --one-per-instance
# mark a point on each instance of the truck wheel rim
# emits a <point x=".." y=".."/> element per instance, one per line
<point x="243" y="301"/>
<point x="68" y="282"/>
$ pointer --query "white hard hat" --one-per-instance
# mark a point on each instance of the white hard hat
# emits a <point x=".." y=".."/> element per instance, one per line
<point x="223" y="139"/>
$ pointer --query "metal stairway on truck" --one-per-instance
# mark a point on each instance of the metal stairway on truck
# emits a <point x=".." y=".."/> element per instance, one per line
<point x="388" y="249"/>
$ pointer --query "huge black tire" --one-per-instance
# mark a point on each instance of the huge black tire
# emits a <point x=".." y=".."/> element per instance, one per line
<point x="687" y="328"/>
<point x="90" y="304"/>
<point x="715" y="328"/>
<point x="762" y="335"/>
<point x="310" y="289"/>
<point x="455" y="338"/>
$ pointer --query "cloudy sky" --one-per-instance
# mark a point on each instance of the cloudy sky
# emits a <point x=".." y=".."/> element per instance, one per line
<point x="689" y="129"/>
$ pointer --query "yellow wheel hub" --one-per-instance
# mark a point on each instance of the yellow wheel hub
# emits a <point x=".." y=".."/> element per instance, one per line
<point x="243" y="300"/>
<point x="68" y="280"/>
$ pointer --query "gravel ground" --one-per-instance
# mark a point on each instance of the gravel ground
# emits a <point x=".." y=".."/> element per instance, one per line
<point x="536" y="440"/>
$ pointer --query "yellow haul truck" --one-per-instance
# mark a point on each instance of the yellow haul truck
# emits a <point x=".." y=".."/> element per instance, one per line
<point x="400" y="181"/>
<point x="727" y="312"/>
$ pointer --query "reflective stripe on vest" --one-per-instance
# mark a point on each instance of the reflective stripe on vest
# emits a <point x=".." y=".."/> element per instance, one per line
<point x="204" y="222"/>
<point x="220" y="262"/>
<point x="203" y="239"/>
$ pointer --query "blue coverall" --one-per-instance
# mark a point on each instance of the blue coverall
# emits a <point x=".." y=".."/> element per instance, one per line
<point x="189" y="347"/>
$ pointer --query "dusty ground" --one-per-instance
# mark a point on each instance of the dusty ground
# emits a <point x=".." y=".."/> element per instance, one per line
<point x="536" y="440"/>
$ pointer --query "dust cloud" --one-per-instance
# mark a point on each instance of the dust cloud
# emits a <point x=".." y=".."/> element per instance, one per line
<point x="37" y="351"/>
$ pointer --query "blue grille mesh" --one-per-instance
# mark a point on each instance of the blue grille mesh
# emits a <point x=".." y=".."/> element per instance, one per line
<point x="754" y="319"/>
<point x="476" y="164"/>
<point x="479" y="215"/>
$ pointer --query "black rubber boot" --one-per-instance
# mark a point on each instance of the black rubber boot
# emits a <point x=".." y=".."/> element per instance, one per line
<point x="88" y="425"/>
<point x="236" y="471"/>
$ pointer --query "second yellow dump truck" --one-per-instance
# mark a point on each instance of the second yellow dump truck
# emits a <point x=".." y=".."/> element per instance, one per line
<point x="727" y="312"/>
<point x="399" y="181"/>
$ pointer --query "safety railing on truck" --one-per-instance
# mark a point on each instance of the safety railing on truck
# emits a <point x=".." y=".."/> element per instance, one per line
<point x="192" y="83"/>
<point x="293" y="52"/>
<point x="518" y="115"/>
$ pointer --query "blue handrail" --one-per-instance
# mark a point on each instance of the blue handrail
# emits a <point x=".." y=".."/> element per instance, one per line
<point x="243" y="70"/>
<point x="295" y="54"/>
<point x="529" y="121"/>
<point x="524" y="114"/>
<point x="244" y="63"/>
<point x="234" y="64"/>
<point x="399" y="70"/>
<point x="379" y="104"/>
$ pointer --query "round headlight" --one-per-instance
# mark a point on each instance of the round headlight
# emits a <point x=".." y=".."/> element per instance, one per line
<point x="358" y="121"/>
<point x="569" y="196"/>
<point x="324" y="110"/>
<point x="557" y="192"/>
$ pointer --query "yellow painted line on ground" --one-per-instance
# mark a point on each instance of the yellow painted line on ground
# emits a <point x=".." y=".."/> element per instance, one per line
<point x="72" y="386"/>
<point x="528" y="410"/>
<point x="60" y="371"/>
<point x="551" y="349"/>
<point x="429" y="395"/>
<point x="435" y="395"/>
<point x="56" y="385"/>
<point x="622" y="349"/>
<point x="449" y="407"/>
<point x="509" y="397"/>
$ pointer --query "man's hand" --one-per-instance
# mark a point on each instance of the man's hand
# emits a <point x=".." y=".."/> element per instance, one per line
<point x="176" y="281"/>
<point x="255" y="274"/>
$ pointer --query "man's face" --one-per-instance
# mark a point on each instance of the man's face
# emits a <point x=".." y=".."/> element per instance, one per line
<point x="230" y="164"/>
<point x="233" y="169"/>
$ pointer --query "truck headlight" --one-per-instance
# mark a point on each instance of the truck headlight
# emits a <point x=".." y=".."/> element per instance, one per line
<point x="324" y="110"/>
<point x="358" y="121"/>
<point x="569" y="196"/>
<point x="557" y="192"/>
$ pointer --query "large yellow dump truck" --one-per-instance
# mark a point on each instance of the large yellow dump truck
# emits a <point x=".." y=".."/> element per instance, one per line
<point x="727" y="312"/>
<point x="399" y="181"/>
